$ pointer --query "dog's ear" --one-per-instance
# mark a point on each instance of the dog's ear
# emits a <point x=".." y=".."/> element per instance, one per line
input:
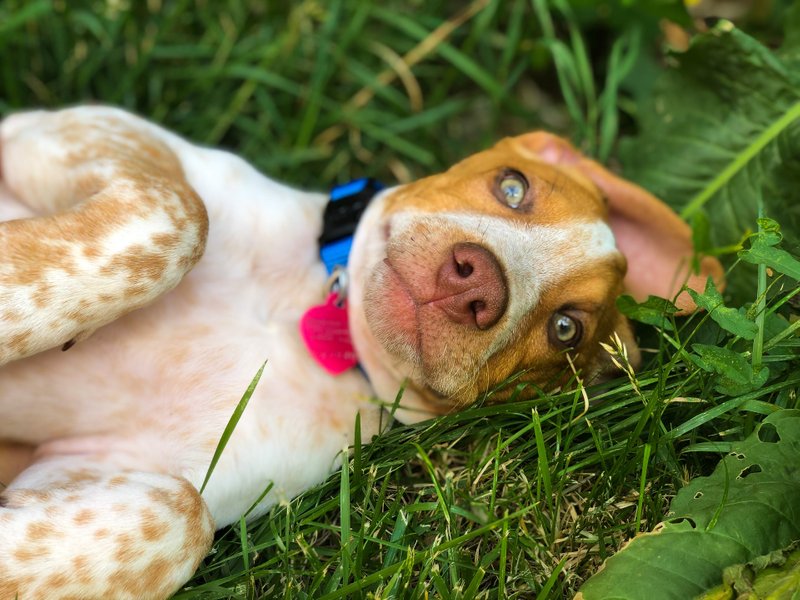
<point x="655" y="241"/>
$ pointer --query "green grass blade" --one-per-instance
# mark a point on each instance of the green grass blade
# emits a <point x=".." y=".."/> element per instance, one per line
<point x="544" y="593"/>
<point x="441" y="500"/>
<point x="419" y="557"/>
<point x="543" y="460"/>
<point x="245" y="545"/>
<point x="22" y="16"/>
<point x="232" y="422"/>
<point x="642" y="486"/>
<point x="344" y="522"/>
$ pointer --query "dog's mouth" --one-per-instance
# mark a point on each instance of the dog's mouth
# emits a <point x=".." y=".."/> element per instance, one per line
<point x="399" y="311"/>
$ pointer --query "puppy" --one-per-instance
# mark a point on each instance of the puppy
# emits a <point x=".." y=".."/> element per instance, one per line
<point x="170" y="272"/>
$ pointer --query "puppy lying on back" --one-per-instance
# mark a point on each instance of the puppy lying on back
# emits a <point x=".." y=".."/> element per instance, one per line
<point x="170" y="272"/>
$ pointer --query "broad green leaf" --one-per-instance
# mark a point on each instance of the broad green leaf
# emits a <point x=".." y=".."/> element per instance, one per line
<point x="769" y="231"/>
<point x="653" y="311"/>
<point x="729" y="319"/>
<point x="721" y="134"/>
<point x="736" y="373"/>
<point x="775" y="258"/>
<point x="748" y="507"/>
<point x="774" y="576"/>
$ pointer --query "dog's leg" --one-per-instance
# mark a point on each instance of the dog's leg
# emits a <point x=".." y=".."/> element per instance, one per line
<point x="73" y="527"/>
<point x="117" y="225"/>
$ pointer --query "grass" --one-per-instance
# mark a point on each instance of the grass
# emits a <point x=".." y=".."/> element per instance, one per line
<point x="523" y="499"/>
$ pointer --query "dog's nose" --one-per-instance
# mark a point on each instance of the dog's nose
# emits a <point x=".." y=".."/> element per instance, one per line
<point x="471" y="287"/>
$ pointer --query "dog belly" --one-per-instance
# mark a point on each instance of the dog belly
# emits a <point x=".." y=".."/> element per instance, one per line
<point x="111" y="382"/>
<point x="295" y="426"/>
<point x="155" y="390"/>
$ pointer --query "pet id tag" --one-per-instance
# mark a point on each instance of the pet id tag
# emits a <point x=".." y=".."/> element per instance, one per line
<point x="326" y="333"/>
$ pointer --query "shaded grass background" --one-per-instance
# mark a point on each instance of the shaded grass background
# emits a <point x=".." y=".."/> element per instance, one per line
<point x="518" y="500"/>
<point x="295" y="87"/>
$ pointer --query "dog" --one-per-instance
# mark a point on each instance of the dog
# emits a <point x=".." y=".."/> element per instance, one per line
<point x="145" y="280"/>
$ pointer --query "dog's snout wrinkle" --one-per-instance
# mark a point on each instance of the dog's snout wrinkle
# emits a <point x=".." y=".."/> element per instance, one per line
<point x="471" y="288"/>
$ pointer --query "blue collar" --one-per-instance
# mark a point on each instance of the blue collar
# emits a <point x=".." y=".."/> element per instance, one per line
<point x="346" y="204"/>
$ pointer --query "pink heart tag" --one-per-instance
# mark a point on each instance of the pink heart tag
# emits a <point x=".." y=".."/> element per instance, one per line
<point x="326" y="333"/>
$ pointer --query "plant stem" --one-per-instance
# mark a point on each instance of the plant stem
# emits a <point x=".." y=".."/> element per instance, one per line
<point x="761" y="302"/>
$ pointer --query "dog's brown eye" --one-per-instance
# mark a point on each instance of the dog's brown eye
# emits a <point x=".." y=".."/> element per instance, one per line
<point x="513" y="187"/>
<point x="564" y="330"/>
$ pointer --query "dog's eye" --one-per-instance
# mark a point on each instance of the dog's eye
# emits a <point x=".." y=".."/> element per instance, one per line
<point x="564" y="330"/>
<point x="513" y="187"/>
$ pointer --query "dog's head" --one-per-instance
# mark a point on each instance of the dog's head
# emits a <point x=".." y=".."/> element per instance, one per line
<point x="508" y="262"/>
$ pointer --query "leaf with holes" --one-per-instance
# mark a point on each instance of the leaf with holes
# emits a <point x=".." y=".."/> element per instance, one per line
<point x="748" y="507"/>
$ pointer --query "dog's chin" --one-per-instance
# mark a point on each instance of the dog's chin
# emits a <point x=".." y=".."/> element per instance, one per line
<point x="399" y="326"/>
<point x="391" y="314"/>
<point x="392" y="334"/>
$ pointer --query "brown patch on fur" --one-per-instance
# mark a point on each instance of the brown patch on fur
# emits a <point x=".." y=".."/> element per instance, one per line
<point x="84" y="516"/>
<point x="158" y="574"/>
<point x="27" y="554"/>
<point x="165" y="241"/>
<point x="128" y="549"/>
<point x="152" y="581"/>
<point x="152" y="527"/>
<point x="43" y="295"/>
<point x="81" y="566"/>
<point x="135" y="290"/>
<point x="656" y="241"/>
<point x="19" y="342"/>
<point x="20" y="498"/>
<point x="10" y="588"/>
<point x="138" y="264"/>
<point x="116" y="481"/>
<point x="57" y="581"/>
<point x="188" y="504"/>
<point x="38" y="531"/>
<point x="82" y="476"/>
<point x="10" y="315"/>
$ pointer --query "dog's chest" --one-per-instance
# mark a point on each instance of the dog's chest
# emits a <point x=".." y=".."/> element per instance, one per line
<point x="166" y="379"/>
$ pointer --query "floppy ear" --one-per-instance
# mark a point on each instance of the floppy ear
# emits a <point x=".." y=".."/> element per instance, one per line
<point x="655" y="241"/>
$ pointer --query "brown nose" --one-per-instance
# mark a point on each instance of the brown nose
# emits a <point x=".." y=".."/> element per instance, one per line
<point x="470" y="287"/>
